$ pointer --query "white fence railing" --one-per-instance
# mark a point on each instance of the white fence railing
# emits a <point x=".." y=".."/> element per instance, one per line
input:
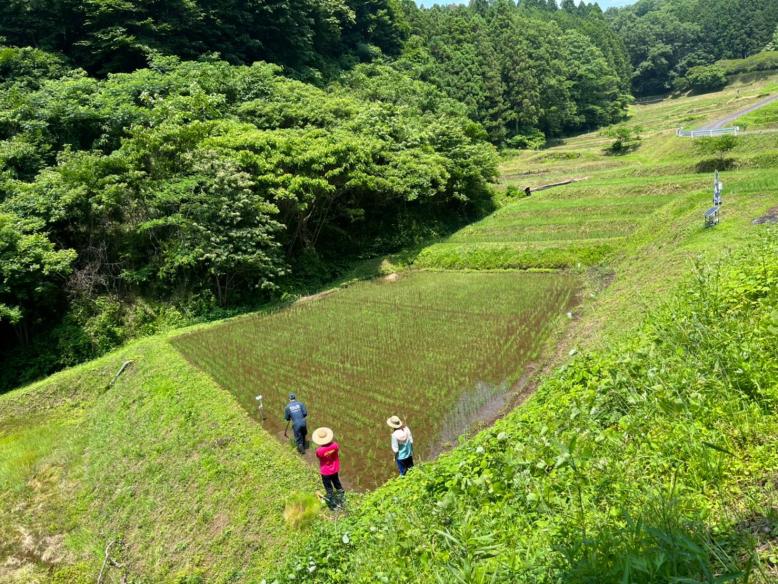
<point x="706" y="133"/>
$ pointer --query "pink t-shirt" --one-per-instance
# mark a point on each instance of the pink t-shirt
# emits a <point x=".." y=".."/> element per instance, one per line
<point x="329" y="461"/>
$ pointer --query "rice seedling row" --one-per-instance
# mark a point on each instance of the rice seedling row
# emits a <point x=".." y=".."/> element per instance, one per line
<point x="432" y="348"/>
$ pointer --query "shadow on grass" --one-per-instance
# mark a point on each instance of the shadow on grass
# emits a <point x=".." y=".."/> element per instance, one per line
<point x="714" y="164"/>
<point x="664" y="546"/>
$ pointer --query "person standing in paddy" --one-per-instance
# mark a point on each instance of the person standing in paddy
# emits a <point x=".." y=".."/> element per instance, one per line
<point x="296" y="413"/>
<point x="328" y="454"/>
<point x="402" y="444"/>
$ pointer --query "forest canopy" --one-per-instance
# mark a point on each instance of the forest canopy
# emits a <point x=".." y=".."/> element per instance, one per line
<point x="307" y="37"/>
<point x="667" y="38"/>
<point x="205" y="182"/>
<point x="522" y="71"/>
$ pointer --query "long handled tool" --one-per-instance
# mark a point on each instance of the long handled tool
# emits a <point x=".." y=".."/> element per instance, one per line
<point x="286" y="429"/>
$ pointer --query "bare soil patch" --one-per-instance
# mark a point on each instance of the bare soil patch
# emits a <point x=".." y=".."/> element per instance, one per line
<point x="316" y="296"/>
<point x="771" y="217"/>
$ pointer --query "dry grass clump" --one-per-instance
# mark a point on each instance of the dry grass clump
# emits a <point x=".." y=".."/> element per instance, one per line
<point x="301" y="509"/>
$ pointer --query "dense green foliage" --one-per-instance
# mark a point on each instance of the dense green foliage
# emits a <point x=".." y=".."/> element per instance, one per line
<point x="521" y="69"/>
<point x="706" y="78"/>
<point x="203" y="182"/>
<point x="666" y="38"/>
<point x="651" y="461"/>
<point x="306" y="36"/>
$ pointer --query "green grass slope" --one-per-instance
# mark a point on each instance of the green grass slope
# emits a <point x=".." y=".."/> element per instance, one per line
<point x="655" y="460"/>
<point x="605" y="217"/>
<point x="765" y="118"/>
<point x="165" y="464"/>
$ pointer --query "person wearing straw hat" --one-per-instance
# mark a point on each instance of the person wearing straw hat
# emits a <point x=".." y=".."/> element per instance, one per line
<point x="402" y="444"/>
<point x="328" y="454"/>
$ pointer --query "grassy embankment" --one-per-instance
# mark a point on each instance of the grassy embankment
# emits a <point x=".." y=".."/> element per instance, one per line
<point x="765" y="118"/>
<point x="164" y="463"/>
<point x="169" y="464"/>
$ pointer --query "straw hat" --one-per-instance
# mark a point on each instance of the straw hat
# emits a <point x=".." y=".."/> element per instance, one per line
<point x="394" y="422"/>
<point x="322" y="436"/>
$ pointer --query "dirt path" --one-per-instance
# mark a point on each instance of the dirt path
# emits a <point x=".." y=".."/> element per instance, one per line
<point x="724" y="122"/>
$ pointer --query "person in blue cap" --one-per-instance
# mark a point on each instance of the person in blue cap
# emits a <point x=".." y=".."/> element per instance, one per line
<point x="296" y="413"/>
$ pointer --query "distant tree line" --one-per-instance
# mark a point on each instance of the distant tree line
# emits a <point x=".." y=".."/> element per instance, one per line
<point x="666" y="39"/>
<point x="525" y="70"/>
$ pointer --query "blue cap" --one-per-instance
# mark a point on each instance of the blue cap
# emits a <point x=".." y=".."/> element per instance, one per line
<point x="292" y="396"/>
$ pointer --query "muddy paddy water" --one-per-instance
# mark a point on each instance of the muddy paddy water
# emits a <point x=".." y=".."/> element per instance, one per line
<point x="441" y="350"/>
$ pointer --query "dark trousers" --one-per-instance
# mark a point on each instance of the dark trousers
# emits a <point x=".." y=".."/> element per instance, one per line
<point x="404" y="465"/>
<point x="334" y="490"/>
<point x="299" y="438"/>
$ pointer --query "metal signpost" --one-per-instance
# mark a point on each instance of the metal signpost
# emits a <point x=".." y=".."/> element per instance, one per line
<point x="712" y="214"/>
<point x="718" y="186"/>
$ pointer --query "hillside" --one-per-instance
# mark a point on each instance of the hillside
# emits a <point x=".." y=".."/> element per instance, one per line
<point x="169" y="163"/>
<point x="652" y="457"/>
<point x="653" y="460"/>
<point x="630" y="213"/>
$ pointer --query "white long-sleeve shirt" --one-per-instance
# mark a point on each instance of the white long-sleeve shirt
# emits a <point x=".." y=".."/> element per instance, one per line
<point x="402" y="443"/>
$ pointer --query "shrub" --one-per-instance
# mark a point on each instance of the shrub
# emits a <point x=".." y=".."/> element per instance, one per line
<point x="718" y="147"/>
<point x="532" y="140"/>
<point x="514" y="192"/>
<point x="626" y="140"/>
<point x="706" y="78"/>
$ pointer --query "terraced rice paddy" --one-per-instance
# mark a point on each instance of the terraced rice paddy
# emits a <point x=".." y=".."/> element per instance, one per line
<point x="433" y="348"/>
<point x="575" y="225"/>
<point x="619" y="199"/>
